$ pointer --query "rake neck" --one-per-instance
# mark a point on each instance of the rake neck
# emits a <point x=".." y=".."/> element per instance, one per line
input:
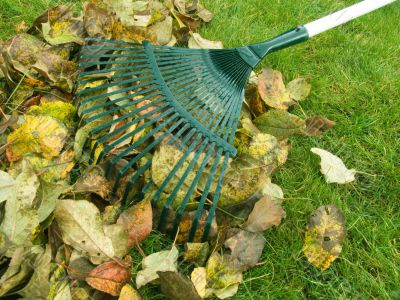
<point x="254" y="53"/>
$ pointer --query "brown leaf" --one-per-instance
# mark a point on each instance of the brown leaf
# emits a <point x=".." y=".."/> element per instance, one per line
<point x="10" y="121"/>
<point x="324" y="236"/>
<point x="137" y="220"/>
<point x="93" y="181"/>
<point x="109" y="277"/>
<point x="317" y="125"/>
<point x="177" y="286"/>
<point x="273" y="90"/>
<point x="98" y="21"/>
<point x="245" y="246"/>
<point x="266" y="213"/>
<point x="185" y="226"/>
<point x="256" y="103"/>
<point x="80" y="268"/>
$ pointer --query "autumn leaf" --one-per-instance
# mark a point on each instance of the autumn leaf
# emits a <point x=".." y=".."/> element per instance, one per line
<point x="324" y="236"/>
<point x="109" y="277"/>
<point x="97" y="21"/>
<point x="94" y="181"/>
<point x="39" y="134"/>
<point x="273" y="90"/>
<point x="317" y="125"/>
<point x="299" y="89"/>
<point x="245" y="246"/>
<point x="137" y="221"/>
<point x="333" y="167"/>
<point x="60" y="110"/>
<point x="129" y="293"/>
<point x="265" y="214"/>
<point x="177" y="286"/>
<point x="196" y="41"/>
<point x="196" y="253"/>
<point x="280" y="123"/>
<point x="160" y="261"/>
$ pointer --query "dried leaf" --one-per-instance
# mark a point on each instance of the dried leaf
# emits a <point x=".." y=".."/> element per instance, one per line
<point x="80" y="225"/>
<point x="63" y="32"/>
<point x="199" y="279"/>
<point x="109" y="277"/>
<point x="97" y="21"/>
<point x="196" y="253"/>
<point x="163" y="31"/>
<point x="94" y="181"/>
<point x="176" y="286"/>
<point x="160" y="261"/>
<point x="129" y="293"/>
<point x="280" y="123"/>
<point x="185" y="226"/>
<point x="324" y="236"/>
<point x="11" y="121"/>
<point x="196" y="41"/>
<point x="245" y="246"/>
<point x="48" y="194"/>
<point x="273" y="90"/>
<point x="137" y="221"/>
<point x="80" y="268"/>
<point x="299" y="88"/>
<point x="42" y="134"/>
<point x="317" y="125"/>
<point x="333" y="167"/>
<point x="266" y="213"/>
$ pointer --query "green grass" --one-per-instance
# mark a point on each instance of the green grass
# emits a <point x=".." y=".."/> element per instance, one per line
<point x="355" y="71"/>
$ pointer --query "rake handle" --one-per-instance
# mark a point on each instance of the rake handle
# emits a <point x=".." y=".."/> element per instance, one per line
<point x="254" y="53"/>
<point x="345" y="15"/>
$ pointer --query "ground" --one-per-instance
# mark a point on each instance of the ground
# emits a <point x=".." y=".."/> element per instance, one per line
<point x="355" y="73"/>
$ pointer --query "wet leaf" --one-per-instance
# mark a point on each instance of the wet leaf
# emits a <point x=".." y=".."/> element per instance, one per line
<point x="93" y="181"/>
<point x="317" y="125"/>
<point x="333" y="167"/>
<point x="266" y="213"/>
<point x="80" y="225"/>
<point x="177" y="286"/>
<point x="157" y="262"/>
<point x="129" y="293"/>
<point x="272" y="89"/>
<point x="20" y="218"/>
<point x="137" y="221"/>
<point x="324" y="236"/>
<point x="60" y="110"/>
<point x="280" y="123"/>
<point x="245" y="246"/>
<point x="196" y="41"/>
<point x="109" y="277"/>
<point x="39" y="134"/>
<point x="196" y="253"/>
<point x="299" y="88"/>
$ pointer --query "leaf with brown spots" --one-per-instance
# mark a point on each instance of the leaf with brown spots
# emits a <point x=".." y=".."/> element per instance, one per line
<point x="109" y="277"/>
<point x="317" y="125"/>
<point x="273" y="90"/>
<point x="324" y="236"/>
<point x="137" y="221"/>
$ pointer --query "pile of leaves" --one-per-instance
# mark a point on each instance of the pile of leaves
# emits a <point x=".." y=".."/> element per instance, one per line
<point x="65" y="235"/>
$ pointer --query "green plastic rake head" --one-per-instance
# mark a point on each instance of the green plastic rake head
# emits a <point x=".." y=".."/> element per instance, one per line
<point x="190" y="98"/>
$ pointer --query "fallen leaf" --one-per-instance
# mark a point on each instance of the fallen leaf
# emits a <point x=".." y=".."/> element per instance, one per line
<point x="80" y="268"/>
<point x="109" y="277"/>
<point x="280" y="123"/>
<point x="39" y="134"/>
<point x="196" y="41"/>
<point x="93" y="181"/>
<point x="7" y="189"/>
<point x="119" y="239"/>
<point x="80" y="225"/>
<point x="12" y="120"/>
<point x="177" y="286"/>
<point x="299" y="88"/>
<point x="199" y="280"/>
<point x="266" y="213"/>
<point x="324" y="236"/>
<point x="160" y="261"/>
<point x="272" y="89"/>
<point x="274" y="191"/>
<point x="196" y="253"/>
<point x="185" y="226"/>
<point x="245" y="246"/>
<point x="129" y="293"/>
<point x="137" y="221"/>
<point x="97" y="21"/>
<point x="163" y="31"/>
<point x="317" y="125"/>
<point x="20" y="217"/>
<point x="60" y="110"/>
<point x="63" y="32"/>
<point x="63" y="291"/>
<point x="47" y="197"/>
<point x="333" y="167"/>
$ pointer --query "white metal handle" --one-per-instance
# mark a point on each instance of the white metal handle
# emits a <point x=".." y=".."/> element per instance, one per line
<point x="344" y="16"/>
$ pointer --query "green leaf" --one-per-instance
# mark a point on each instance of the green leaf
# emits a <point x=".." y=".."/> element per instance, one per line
<point x="299" y="88"/>
<point x="280" y="123"/>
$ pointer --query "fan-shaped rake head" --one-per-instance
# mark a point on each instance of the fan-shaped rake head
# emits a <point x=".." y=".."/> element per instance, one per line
<point x="157" y="95"/>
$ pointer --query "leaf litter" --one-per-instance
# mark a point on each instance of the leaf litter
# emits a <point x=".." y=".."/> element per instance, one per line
<point x="62" y="223"/>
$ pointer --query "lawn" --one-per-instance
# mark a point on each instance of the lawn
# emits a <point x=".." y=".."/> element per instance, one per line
<point x="355" y="73"/>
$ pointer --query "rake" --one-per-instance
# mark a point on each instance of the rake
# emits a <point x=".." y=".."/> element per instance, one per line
<point x="189" y="98"/>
